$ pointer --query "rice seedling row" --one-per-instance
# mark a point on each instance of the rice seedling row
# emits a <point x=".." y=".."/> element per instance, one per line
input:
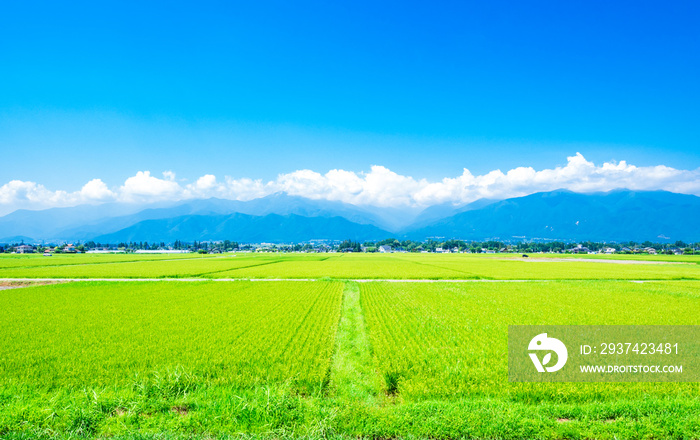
<point x="241" y="333"/>
<point x="437" y="340"/>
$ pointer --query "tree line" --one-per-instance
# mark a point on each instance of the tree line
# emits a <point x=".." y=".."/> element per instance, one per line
<point x="430" y="245"/>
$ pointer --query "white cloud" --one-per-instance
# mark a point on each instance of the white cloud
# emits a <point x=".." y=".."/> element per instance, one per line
<point x="17" y="191"/>
<point x="96" y="190"/>
<point x="18" y="194"/>
<point x="247" y="189"/>
<point x="380" y="186"/>
<point x="206" y="186"/>
<point x="145" y="188"/>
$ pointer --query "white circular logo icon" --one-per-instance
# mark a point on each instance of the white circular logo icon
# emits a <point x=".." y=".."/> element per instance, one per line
<point x="542" y="343"/>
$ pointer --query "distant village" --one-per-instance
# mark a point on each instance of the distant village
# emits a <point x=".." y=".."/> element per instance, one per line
<point x="389" y="245"/>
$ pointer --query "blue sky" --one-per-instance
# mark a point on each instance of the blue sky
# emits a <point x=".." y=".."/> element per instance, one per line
<point x="257" y="89"/>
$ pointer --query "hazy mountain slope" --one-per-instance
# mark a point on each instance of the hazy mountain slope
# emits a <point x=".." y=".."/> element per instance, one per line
<point x="84" y="222"/>
<point x="245" y="228"/>
<point x="561" y="215"/>
<point x="17" y="239"/>
<point x="108" y="225"/>
<point x="434" y="213"/>
<point x="617" y="215"/>
<point x="49" y="223"/>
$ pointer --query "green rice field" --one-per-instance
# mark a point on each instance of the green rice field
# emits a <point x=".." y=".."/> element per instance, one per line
<point x="325" y="346"/>
<point x="353" y="266"/>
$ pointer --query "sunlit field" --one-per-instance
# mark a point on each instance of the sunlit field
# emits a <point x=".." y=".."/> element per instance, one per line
<point x="354" y="266"/>
<point x="332" y="352"/>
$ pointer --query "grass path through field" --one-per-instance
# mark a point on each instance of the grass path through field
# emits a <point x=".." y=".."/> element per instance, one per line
<point x="352" y="377"/>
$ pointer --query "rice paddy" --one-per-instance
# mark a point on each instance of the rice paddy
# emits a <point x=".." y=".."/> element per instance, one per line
<point x="353" y="266"/>
<point x="327" y="357"/>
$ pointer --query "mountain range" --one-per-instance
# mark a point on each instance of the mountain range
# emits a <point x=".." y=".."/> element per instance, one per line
<point x="619" y="215"/>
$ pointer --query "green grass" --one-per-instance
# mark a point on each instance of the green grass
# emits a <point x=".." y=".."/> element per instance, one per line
<point x="437" y="338"/>
<point x="84" y="267"/>
<point x="353" y="375"/>
<point x="325" y="359"/>
<point x="103" y="334"/>
<point x="354" y="266"/>
<point x="38" y="260"/>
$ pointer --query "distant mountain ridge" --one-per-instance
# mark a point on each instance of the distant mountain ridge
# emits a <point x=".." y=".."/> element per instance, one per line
<point x="246" y="228"/>
<point x="619" y="215"/>
<point x="279" y="204"/>
<point x="86" y="222"/>
<point x="435" y="213"/>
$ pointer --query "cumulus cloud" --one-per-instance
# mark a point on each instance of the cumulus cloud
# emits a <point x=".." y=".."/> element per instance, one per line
<point x="206" y="186"/>
<point x="379" y="186"/>
<point x="95" y="190"/>
<point x="17" y="191"/>
<point x="18" y="194"/>
<point x="144" y="188"/>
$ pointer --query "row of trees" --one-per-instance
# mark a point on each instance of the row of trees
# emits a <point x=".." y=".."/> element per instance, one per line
<point x="524" y="247"/>
<point x="196" y="246"/>
<point x="370" y="246"/>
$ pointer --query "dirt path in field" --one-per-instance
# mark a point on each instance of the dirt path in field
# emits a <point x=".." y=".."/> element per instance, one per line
<point x="19" y="283"/>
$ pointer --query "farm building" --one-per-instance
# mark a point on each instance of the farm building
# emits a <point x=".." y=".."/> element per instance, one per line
<point x="580" y="250"/>
<point x="24" y="249"/>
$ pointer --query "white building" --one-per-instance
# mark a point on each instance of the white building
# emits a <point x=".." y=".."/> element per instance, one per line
<point x="24" y="249"/>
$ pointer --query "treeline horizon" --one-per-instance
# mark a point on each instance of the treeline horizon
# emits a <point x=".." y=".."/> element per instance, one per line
<point x="430" y="245"/>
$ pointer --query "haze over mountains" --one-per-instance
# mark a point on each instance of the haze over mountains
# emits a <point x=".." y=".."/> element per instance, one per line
<point x="620" y="215"/>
